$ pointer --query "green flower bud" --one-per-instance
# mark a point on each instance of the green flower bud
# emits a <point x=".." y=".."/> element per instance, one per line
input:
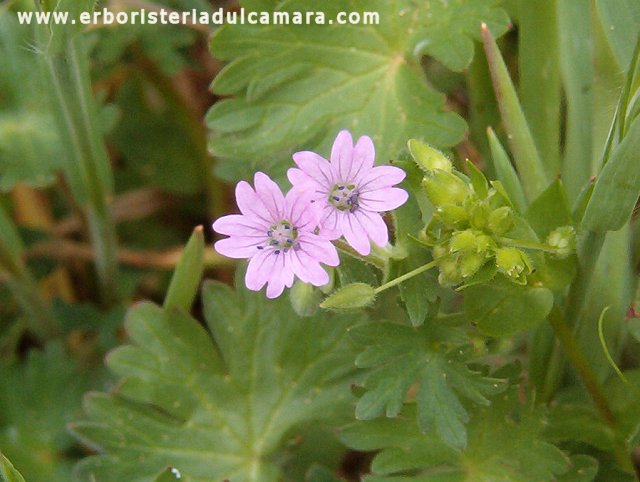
<point x="514" y="264"/>
<point x="452" y="215"/>
<point x="354" y="295"/>
<point x="470" y="263"/>
<point x="471" y="241"/>
<point x="463" y="241"/>
<point x="444" y="188"/>
<point x="501" y="220"/>
<point x="479" y="215"/>
<point x="563" y="239"/>
<point x="450" y="274"/>
<point x="439" y="250"/>
<point x="427" y="157"/>
<point x="304" y="298"/>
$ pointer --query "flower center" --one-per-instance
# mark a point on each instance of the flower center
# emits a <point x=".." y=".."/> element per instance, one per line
<point x="282" y="235"/>
<point x="344" y="197"/>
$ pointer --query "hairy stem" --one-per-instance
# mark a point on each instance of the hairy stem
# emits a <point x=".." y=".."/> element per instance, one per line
<point x="583" y="369"/>
<point x="409" y="275"/>
<point x="87" y="168"/>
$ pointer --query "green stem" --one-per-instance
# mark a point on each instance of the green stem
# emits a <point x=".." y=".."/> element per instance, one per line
<point x="406" y="276"/>
<point x="583" y="369"/>
<point x="87" y="168"/>
<point x="588" y="253"/>
<point x="372" y="259"/>
<point x="521" y="243"/>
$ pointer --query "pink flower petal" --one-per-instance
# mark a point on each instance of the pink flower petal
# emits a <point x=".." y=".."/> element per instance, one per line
<point x="364" y="155"/>
<point x="316" y="167"/>
<point x="329" y="225"/>
<point x="342" y="155"/>
<point x="319" y="248"/>
<point x="270" y="194"/>
<point x="239" y="246"/>
<point x="301" y="211"/>
<point x="384" y="199"/>
<point x="374" y="225"/>
<point x="380" y="177"/>
<point x="261" y="268"/>
<point x="250" y="203"/>
<point x="355" y="234"/>
<point x="281" y="276"/>
<point x="240" y="225"/>
<point x="307" y="269"/>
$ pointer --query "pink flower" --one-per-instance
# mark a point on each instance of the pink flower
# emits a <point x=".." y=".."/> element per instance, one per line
<point x="351" y="191"/>
<point x="277" y="234"/>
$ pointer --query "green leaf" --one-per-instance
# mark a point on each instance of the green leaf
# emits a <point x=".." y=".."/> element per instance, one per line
<point x="186" y="277"/>
<point x="503" y="309"/>
<point x="617" y="186"/>
<point x="296" y="87"/>
<point x="621" y="24"/>
<point x="8" y="472"/>
<point x="171" y="474"/>
<point x="38" y="397"/>
<point x="432" y="356"/>
<point x="216" y="411"/>
<point x="318" y="473"/>
<point x="546" y="213"/>
<point x="549" y="210"/>
<point x="505" y="444"/>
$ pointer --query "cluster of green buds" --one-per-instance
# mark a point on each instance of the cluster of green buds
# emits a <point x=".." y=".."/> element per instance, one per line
<point x="470" y="219"/>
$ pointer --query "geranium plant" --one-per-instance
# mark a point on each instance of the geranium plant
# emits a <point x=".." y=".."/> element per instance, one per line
<point x="414" y="250"/>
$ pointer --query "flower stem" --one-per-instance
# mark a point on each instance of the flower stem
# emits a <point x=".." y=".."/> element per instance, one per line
<point x="588" y="253"/>
<point x="87" y="166"/>
<point x="589" y="379"/>
<point x="406" y="276"/>
<point x="522" y="243"/>
<point x="372" y="259"/>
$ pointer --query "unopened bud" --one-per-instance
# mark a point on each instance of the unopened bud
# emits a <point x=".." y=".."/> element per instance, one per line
<point x="471" y="241"/>
<point x="501" y="220"/>
<point x="513" y="263"/>
<point x="352" y="296"/>
<point x="479" y="215"/>
<point x="563" y="239"/>
<point x="450" y="274"/>
<point x="452" y="215"/>
<point x="470" y="263"/>
<point x="427" y="157"/>
<point x="445" y="188"/>
<point x="463" y="241"/>
<point x="304" y="298"/>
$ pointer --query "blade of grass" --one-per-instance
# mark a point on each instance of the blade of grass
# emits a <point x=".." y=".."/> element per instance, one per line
<point x="576" y="70"/>
<point x="527" y="160"/>
<point x="540" y="77"/>
<point x="505" y="172"/>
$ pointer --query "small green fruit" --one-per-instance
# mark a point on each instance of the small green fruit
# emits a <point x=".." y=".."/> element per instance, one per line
<point x="444" y="188"/>
<point x="352" y="296"/>
<point x="563" y="239"/>
<point x="501" y="220"/>
<point x="427" y="157"/>
<point x="513" y="263"/>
